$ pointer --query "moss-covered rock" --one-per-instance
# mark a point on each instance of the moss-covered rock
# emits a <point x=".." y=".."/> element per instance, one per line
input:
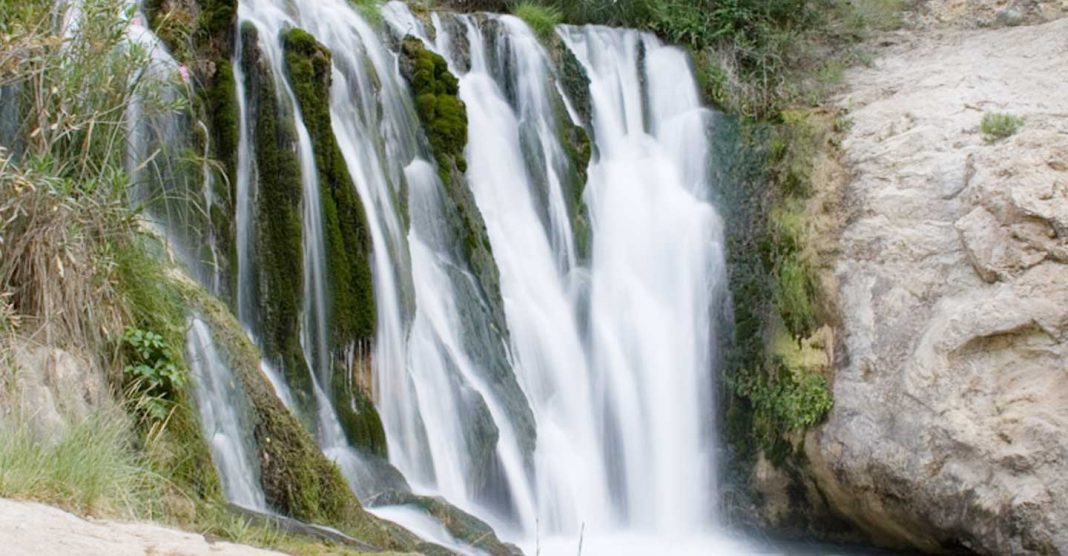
<point x="298" y="480"/>
<point x="348" y="238"/>
<point x="573" y="80"/>
<point x="460" y="524"/>
<point x="357" y="413"/>
<point x="348" y="243"/>
<point x="277" y="218"/>
<point x="444" y="117"/>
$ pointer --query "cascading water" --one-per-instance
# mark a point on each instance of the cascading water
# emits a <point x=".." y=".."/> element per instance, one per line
<point x="625" y="430"/>
<point x="611" y="351"/>
<point x="224" y="427"/>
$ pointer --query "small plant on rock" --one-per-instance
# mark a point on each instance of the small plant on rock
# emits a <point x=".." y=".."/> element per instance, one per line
<point x="153" y="375"/>
<point x="997" y="126"/>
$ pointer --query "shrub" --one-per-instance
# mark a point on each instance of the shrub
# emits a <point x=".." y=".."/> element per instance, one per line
<point x="541" y="19"/>
<point x="997" y="126"/>
<point x="153" y="373"/>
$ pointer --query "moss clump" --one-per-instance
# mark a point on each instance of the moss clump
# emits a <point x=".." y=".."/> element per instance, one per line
<point x="278" y="223"/>
<point x="358" y="415"/>
<point x="438" y="104"/>
<point x="444" y="117"/>
<point x="579" y="149"/>
<point x="348" y="237"/>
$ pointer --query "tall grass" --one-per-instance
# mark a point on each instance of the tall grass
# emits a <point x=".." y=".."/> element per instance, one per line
<point x="541" y="19"/>
<point x="63" y="191"/>
<point x="92" y="468"/>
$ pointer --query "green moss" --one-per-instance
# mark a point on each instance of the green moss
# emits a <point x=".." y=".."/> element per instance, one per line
<point x="777" y="366"/>
<point x="438" y="104"/>
<point x="348" y="237"/>
<point x="573" y="79"/>
<point x="444" y="117"/>
<point x="278" y="224"/>
<point x="297" y="478"/>
<point x="215" y="25"/>
<point x="358" y="416"/>
<point x="579" y="149"/>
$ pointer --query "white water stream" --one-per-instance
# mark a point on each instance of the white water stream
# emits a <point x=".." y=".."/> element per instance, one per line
<point x="224" y="426"/>
<point x="613" y="355"/>
<point x="625" y="422"/>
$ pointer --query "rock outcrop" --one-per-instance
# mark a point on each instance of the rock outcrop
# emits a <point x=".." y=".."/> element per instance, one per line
<point x="950" y="424"/>
<point x="46" y="388"/>
<point x="29" y="529"/>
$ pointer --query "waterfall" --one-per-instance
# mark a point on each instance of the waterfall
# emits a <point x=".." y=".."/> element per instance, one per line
<point x="657" y="274"/>
<point x="223" y="424"/>
<point x="582" y="406"/>
<point x="615" y="356"/>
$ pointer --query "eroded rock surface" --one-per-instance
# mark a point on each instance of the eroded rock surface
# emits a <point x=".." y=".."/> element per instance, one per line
<point x="29" y="529"/>
<point x="47" y="388"/>
<point x="950" y="422"/>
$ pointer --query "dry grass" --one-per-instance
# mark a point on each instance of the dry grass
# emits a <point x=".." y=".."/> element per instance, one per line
<point x="53" y="260"/>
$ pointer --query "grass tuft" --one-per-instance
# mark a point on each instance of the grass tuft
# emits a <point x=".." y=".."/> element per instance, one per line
<point x="997" y="126"/>
<point x="541" y="19"/>
<point x="92" y="468"/>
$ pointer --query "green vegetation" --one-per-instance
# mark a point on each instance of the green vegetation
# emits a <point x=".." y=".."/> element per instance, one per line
<point x="357" y="413"/>
<point x="371" y="10"/>
<point x="348" y="237"/>
<point x="199" y="34"/>
<point x="152" y="371"/>
<point x="776" y="369"/>
<point x="541" y="18"/>
<point x="438" y="104"/>
<point x="297" y="478"/>
<point x="78" y="272"/>
<point x="91" y="468"/>
<point x="444" y="117"/>
<point x="754" y="57"/>
<point x="997" y="126"/>
<point x="278" y="221"/>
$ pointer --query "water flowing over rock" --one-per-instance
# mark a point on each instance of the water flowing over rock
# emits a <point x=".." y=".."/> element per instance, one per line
<point x="546" y="264"/>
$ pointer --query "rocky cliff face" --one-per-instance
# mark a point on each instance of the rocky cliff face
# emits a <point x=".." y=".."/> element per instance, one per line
<point x="950" y="423"/>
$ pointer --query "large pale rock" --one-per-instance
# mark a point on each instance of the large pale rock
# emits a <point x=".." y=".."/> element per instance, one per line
<point x="950" y="422"/>
<point x="47" y="388"/>
<point x="28" y="529"/>
<point x="989" y="13"/>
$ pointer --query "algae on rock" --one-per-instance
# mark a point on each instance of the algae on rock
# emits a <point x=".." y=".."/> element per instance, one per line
<point x="277" y="218"/>
<point x="444" y="118"/>
<point x="348" y="245"/>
